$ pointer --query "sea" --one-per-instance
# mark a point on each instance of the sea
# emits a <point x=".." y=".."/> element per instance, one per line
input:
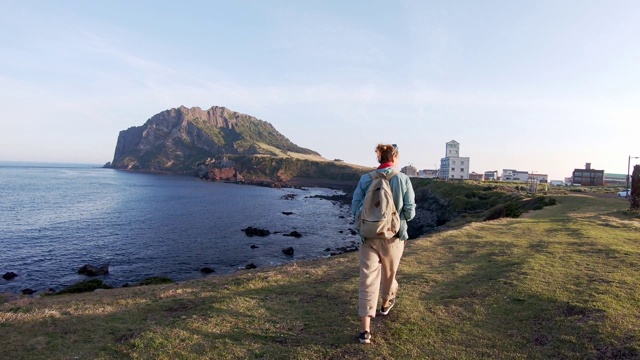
<point x="55" y="218"/>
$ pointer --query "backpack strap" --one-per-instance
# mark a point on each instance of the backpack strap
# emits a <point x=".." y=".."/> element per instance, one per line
<point x="375" y="174"/>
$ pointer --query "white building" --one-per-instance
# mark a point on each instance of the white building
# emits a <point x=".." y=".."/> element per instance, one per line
<point x="491" y="175"/>
<point x="452" y="166"/>
<point x="514" y="175"/>
<point x="541" y="178"/>
<point x="410" y="170"/>
<point x="428" y="173"/>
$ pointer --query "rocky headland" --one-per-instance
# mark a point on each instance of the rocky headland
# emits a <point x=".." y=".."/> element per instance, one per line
<point x="219" y="144"/>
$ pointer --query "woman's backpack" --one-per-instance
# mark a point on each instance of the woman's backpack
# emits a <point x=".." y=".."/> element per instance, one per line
<point x="379" y="218"/>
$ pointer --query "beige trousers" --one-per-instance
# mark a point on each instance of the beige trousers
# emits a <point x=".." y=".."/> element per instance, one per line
<point x="379" y="261"/>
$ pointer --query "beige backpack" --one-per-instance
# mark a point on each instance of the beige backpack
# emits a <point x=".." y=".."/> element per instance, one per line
<point x="378" y="218"/>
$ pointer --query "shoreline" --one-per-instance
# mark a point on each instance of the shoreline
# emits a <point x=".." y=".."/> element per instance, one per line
<point x="346" y="187"/>
<point x="295" y="182"/>
<point x="339" y="199"/>
<point x="7" y="297"/>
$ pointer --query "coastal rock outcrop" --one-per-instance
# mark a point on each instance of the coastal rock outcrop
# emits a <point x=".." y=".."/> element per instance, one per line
<point x="432" y="210"/>
<point x="228" y="174"/>
<point x="294" y="234"/>
<point x="251" y="231"/>
<point x="207" y="270"/>
<point x="9" y="275"/>
<point x="344" y="249"/>
<point x="91" y="270"/>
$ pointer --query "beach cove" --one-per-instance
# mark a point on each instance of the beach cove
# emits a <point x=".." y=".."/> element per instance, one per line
<point x="59" y="217"/>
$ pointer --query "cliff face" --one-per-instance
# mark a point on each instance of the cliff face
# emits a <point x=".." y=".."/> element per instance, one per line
<point x="177" y="139"/>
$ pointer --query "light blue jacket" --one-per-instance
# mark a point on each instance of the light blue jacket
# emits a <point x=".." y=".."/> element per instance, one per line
<point x="403" y="197"/>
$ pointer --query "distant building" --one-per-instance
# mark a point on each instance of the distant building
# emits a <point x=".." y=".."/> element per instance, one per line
<point x="568" y="181"/>
<point x="475" y="176"/>
<point x="541" y="178"/>
<point x="556" y="183"/>
<point x="491" y="175"/>
<point x="588" y="176"/>
<point x="512" y="175"/>
<point x="615" y="179"/>
<point x="410" y="171"/>
<point x="452" y="166"/>
<point x="428" y="173"/>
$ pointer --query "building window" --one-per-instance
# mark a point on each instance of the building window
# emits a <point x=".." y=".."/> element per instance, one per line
<point x="462" y="162"/>
<point x="462" y="169"/>
<point x="453" y="162"/>
<point x="453" y="169"/>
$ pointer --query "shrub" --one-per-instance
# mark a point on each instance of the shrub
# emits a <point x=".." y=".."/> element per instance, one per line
<point x="470" y="194"/>
<point x="84" y="286"/>
<point x="578" y="189"/>
<point x="512" y="210"/>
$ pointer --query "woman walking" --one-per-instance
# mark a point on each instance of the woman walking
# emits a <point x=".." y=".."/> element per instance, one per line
<point x="380" y="255"/>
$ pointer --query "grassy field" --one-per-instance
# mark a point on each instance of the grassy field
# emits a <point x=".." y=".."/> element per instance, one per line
<point x="562" y="282"/>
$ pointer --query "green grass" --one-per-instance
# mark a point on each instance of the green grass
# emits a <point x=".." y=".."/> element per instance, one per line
<point x="562" y="282"/>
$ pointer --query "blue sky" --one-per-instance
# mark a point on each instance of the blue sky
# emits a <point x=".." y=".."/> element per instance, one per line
<point x="542" y="86"/>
